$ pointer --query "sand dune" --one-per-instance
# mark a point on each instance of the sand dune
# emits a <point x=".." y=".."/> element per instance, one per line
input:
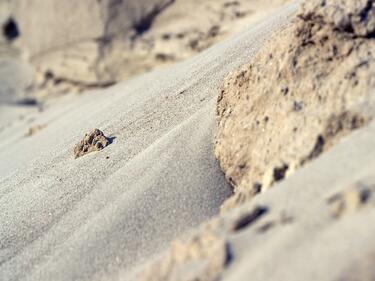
<point x="287" y="105"/>
<point x="104" y="213"/>
<point x="291" y="232"/>
<point x="293" y="115"/>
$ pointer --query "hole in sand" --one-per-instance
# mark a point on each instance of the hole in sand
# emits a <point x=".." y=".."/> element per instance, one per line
<point x="250" y="218"/>
<point x="229" y="254"/>
<point x="279" y="172"/>
<point x="10" y="30"/>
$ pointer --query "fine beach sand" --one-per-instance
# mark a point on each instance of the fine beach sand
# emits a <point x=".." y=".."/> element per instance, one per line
<point x="92" y="217"/>
<point x="183" y="139"/>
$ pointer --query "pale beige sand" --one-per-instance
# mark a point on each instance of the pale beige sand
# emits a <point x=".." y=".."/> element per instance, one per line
<point x="318" y="223"/>
<point x="93" y="217"/>
<point x="314" y="245"/>
<point x="93" y="44"/>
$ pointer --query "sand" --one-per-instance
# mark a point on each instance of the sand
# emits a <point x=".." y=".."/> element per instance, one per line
<point x="94" y="44"/>
<point x="103" y="214"/>
<point x="310" y="220"/>
<point x="328" y="248"/>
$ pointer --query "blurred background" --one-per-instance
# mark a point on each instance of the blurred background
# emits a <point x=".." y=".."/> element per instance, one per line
<point x="52" y="48"/>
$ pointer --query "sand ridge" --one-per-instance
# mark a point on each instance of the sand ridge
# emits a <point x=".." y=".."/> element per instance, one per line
<point x="89" y="219"/>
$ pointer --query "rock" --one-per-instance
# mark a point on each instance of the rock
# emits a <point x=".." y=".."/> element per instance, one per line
<point x="309" y="87"/>
<point x="93" y="141"/>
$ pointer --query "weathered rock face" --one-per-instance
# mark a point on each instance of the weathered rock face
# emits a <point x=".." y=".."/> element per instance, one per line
<point x="313" y="84"/>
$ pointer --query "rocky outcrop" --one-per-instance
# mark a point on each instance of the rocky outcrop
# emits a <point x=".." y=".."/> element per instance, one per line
<point x="309" y="87"/>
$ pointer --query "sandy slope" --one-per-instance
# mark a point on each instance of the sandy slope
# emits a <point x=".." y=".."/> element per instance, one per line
<point x="88" y="218"/>
<point x="316" y="222"/>
<point x="329" y="247"/>
<point x="315" y="225"/>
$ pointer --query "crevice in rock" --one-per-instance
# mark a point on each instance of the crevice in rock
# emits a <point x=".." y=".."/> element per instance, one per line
<point x="364" y="13"/>
<point x="317" y="150"/>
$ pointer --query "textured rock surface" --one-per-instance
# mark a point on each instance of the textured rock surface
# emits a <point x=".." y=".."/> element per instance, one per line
<point x="93" y="141"/>
<point x="311" y="85"/>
